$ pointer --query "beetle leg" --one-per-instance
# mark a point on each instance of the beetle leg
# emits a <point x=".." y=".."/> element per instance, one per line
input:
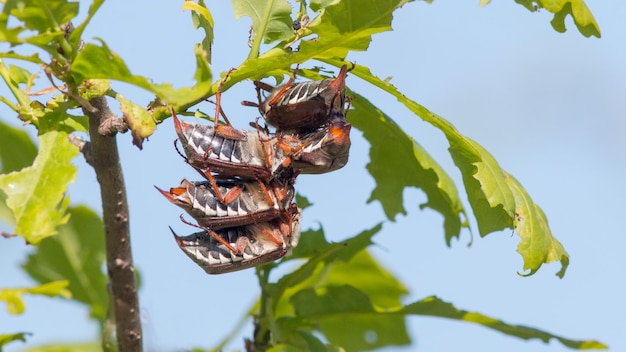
<point x="213" y="234"/>
<point x="268" y="196"/>
<point x="226" y="131"/>
<point x="267" y="151"/>
<point x="292" y="151"/>
<point x="270" y="234"/>
<point x="226" y="199"/>
<point x="232" y="194"/>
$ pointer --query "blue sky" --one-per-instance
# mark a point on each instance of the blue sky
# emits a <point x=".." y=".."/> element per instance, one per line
<point x="548" y="106"/>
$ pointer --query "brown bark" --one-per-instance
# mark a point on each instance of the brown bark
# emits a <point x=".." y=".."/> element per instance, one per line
<point x="104" y="158"/>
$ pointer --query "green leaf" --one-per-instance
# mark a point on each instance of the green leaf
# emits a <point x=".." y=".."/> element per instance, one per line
<point x="13" y="296"/>
<point x="271" y="21"/>
<point x="302" y="201"/>
<point x="333" y="308"/>
<point x="201" y="18"/>
<point x="341" y="26"/>
<point x="537" y="245"/>
<point x="583" y="18"/>
<point x="140" y="122"/>
<point x="100" y="62"/>
<point x="6" y="338"/>
<point x="493" y="196"/>
<point x="36" y="193"/>
<point x="44" y="16"/>
<point x="76" y="254"/>
<point x="350" y="265"/>
<point x="397" y="162"/>
<point x="13" y="84"/>
<point x="17" y="150"/>
<point x="68" y="347"/>
<point x="348" y="25"/>
<point x="491" y="200"/>
<point x="77" y="34"/>
<point x="433" y="306"/>
<point x="94" y="88"/>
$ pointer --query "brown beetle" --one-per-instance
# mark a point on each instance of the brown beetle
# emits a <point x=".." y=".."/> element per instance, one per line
<point x="248" y="202"/>
<point x="301" y="107"/>
<point x="256" y="244"/>
<point x="325" y="151"/>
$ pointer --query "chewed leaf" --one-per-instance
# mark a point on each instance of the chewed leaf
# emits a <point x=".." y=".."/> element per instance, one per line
<point x="537" y="245"/>
<point x="35" y="194"/>
<point x="583" y="18"/>
<point x="397" y="162"/>
<point x="15" y="303"/>
<point x="140" y="122"/>
<point x="493" y="194"/>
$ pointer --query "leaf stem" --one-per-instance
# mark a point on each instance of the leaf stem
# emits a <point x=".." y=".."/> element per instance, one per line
<point x="106" y="163"/>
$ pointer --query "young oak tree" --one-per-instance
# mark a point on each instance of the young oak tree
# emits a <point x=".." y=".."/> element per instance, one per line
<point x="338" y="293"/>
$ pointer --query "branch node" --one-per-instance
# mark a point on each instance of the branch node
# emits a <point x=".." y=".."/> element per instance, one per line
<point x="83" y="146"/>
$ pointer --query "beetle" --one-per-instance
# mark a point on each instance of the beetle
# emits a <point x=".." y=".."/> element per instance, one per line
<point x="256" y="244"/>
<point x="324" y="152"/>
<point x="252" y="157"/>
<point x="302" y="106"/>
<point x="260" y="156"/>
<point x="248" y="201"/>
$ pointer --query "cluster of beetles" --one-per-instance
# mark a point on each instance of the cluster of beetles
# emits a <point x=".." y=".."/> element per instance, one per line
<point x="244" y="206"/>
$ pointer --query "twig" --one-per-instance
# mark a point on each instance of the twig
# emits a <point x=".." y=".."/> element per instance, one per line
<point x="106" y="163"/>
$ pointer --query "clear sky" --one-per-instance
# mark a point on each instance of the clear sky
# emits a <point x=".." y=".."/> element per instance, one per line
<point x="549" y="106"/>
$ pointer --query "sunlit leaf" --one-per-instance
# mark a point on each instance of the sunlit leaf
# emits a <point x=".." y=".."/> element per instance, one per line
<point x="583" y="18"/>
<point x="35" y="194"/>
<point x="537" y="245"/>
<point x="44" y="16"/>
<point x="202" y="18"/>
<point x="139" y="121"/>
<point x="433" y="306"/>
<point x="397" y="162"/>
<point x="491" y="199"/>
<point x="348" y="25"/>
<point x="15" y="302"/>
<point x="76" y="254"/>
<point x="100" y="62"/>
<point x="271" y="20"/>
<point x="341" y="26"/>
<point x="13" y="83"/>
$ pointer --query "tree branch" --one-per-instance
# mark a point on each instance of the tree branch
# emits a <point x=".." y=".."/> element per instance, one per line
<point x="106" y="163"/>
